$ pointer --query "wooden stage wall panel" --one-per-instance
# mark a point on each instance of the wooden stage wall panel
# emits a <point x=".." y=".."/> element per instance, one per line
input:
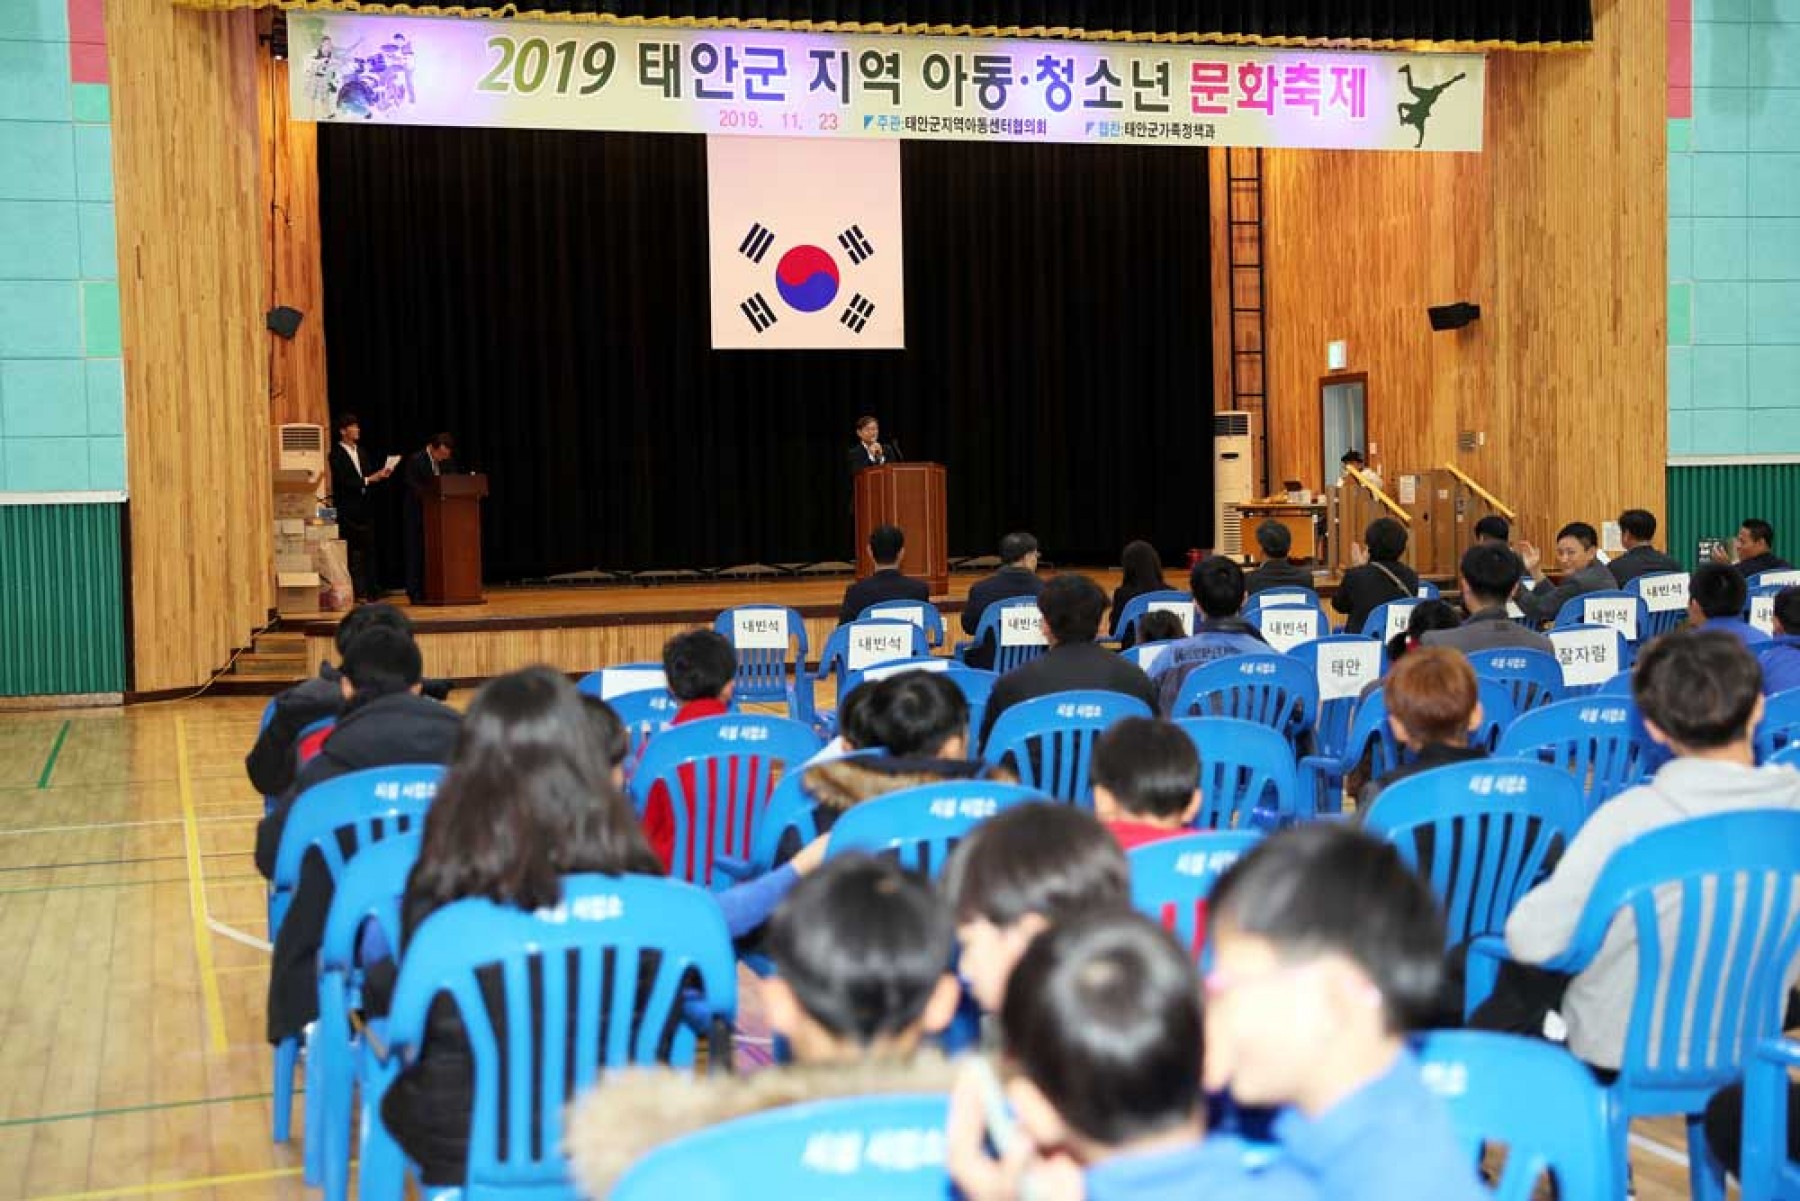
<point x="191" y="280"/>
<point x="1557" y="230"/>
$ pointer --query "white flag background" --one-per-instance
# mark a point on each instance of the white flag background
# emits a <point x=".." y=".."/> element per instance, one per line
<point x="805" y="244"/>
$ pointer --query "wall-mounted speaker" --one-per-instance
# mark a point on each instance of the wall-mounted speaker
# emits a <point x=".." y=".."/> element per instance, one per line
<point x="1453" y="316"/>
<point x="284" y="321"/>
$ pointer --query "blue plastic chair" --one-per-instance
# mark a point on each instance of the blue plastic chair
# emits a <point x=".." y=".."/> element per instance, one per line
<point x="1619" y="685"/>
<point x="645" y="715"/>
<point x="1780" y="726"/>
<point x="1272" y="690"/>
<point x="1324" y="657"/>
<point x="1781" y="578"/>
<point x="988" y="632"/>
<point x="1532" y="678"/>
<point x="1657" y="587"/>
<point x="1372" y="738"/>
<point x="1284" y="598"/>
<point x="919" y="827"/>
<point x="854" y="678"/>
<point x="1634" y="612"/>
<point x="621" y="678"/>
<point x="856" y="1149"/>
<point x="1171" y="879"/>
<point x="1767" y="1173"/>
<point x="1714" y="965"/>
<point x="1597" y="741"/>
<point x="600" y="981"/>
<point x="1621" y="654"/>
<point x="1400" y="611"/>
<point x="367" y="897"/>
<point x="1533" y="1097"/>
<point x="1787" y="758"/>
<point x="920" y="613"/>
<point x="1144" y="655"/>
<point x="907" y="640"/>
<point x="1759" y="608"/>
<point x="731" y="766"/>
<point x="352" y="811"/>
<point x="1246" y="774"/>
<point x="1428" y="591"/>
<point x="975" y="684"/>
<point x="1142" y="604"/>
<point x="1048" y="741"/>
<point x="1494" y="826"/>
<point x="769" y="674"/>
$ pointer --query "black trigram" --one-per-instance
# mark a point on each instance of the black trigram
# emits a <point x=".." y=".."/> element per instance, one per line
<point x="756" y="310"/>
<point x="857" y="313"/>
<point x="856" y="245"/>
<point x="756" y="243"/>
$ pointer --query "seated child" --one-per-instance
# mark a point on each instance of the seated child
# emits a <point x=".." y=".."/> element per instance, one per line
<point x="1326" y="950"/>
<point x="701" y="668"/>
<point x="1101" y="1039"/>
<point x="1146" y="777"/>
<point x="1433" y="704"/>
<point x="862" y="959"/>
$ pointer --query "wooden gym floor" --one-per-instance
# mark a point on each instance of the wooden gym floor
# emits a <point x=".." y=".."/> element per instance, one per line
<point x="132" y="1060"/>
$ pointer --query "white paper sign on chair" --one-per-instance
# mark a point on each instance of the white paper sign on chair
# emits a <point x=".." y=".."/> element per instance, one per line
<point x="1284" y="629"/>
<point x="1779" y="579"/>
<point x="1184" y="612"/>
<point x="1513" y="612"/>
<point x="759" y="630"/>
<point x="1762" y="614"/>
<point x="1146" y="657"/>
<point x="1621" y="615"/>
<point x="1021" y="626"/>
<point x="1399" y="616"/>
<point x="1346" y="668"/>
<point x="893" y="669"/>
<point x="1587" y="656"/>
<point x="912" y="613"/>
<point x="872" y="644"/>
<point x="617" y="681"/>
<point x="1664" y="593"/>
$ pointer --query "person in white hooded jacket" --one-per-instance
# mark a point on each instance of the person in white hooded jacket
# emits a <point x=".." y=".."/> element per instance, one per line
<point x="1700" y="693"/>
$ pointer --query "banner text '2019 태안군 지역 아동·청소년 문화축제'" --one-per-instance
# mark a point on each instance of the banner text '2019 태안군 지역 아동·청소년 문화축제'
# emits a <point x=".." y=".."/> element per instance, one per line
<point x="554" y="75"/>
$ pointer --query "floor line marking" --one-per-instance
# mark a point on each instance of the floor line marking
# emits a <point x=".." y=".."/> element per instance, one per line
<point x="55" y="750"/>
<point x="203" y="946"/>
<point x="118" y="1110"/>
<point x="170" y="1186"/>
<point x="237" y="935"/>
<point x="1650" y="1146"/>
<point x="10" y="892"/>
<point x="89" y="827"/>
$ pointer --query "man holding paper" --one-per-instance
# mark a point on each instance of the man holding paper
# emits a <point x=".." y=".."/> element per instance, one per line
<point x="350" y="482"/>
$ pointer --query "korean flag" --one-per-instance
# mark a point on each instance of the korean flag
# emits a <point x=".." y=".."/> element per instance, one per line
<point x="805" y="244"/>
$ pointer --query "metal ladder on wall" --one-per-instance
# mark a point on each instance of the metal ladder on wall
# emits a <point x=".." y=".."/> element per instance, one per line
<point x="1249" y="327"/>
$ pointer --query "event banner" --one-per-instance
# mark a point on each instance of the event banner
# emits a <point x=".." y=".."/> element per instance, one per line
<point x="553" y="75"/>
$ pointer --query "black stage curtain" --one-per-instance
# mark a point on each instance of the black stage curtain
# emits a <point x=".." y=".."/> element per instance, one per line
<point x="1518" y="21"/>
<point x="544" y="295"/>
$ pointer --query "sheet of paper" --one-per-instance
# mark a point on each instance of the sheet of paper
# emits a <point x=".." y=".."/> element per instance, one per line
<point x="883" y="643"/>
<point x="617" y="681"/>
<point x="1284" y="629"/>
<point x="393" y="461"/>
<point x="1346" y="668"/>
<point x="1587" y="656"/>
<point x="759" y="629"/>
<point x="1664" y="593"/>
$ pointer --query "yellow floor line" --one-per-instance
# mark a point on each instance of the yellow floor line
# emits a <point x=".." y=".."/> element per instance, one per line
<point x="171" y="1186"/>
<point x="203" y="947"/>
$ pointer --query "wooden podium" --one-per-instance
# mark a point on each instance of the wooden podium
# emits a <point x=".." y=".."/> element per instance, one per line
<point x="911" y="496"/>
<point x="452" y="505"/>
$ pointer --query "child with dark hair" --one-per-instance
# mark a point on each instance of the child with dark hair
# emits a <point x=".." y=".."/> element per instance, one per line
<point x="1426" y="617"/>
<point x="1326" y="951"/>
<point x="1102" y="1040"/>
<point x="862" y="977"/>
<point x="1717" y="598"/>
<point x="1146" y="777"/>
<point x="1019" y="874"/>
<point x="1781" y="663"/>
<point x="1160" y="625"/>
<point x="701" y="668"/>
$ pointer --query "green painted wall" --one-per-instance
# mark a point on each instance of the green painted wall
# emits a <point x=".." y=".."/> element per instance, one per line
<point x="1711" y="502"/>
<point x="62" y="600"/>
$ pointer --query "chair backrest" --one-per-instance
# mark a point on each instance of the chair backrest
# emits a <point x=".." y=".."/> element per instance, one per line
<point x="1342" y="665"/>
<point x="855" y="1149"/>
<point x="342" y="815"/>
<point x="863" y="644"/>
<point x="1497" y="712"/>
<point x="605" y="979"/>
<point x="1780" y="726"/>
<point x="923" y="614"/>
<point x="1714" y="904"/>
<point x="881" y="671"/>
<point x="1168" y="600"/>
<point x="1665" y="597"/>
<point x="1428" y="591"/>
<point x="919" y="827"/>
<point x="1049" y="740"/>
<point x="1146" y="655"/>
<point x="645" y="714"/>
<point x="621" y="678"/>
<point x="1532" y="678"/>
<point x="311" y="740"/>
<point x="1596" y="740"/>
<point x="1493" y="826"/>
<point x="719" y="772"/>
<point x="1767" y="1173"/>
<point x="1388" y="619"/>
<point x="1787" y="758"/>
<point x="975" y="684"/>
<point x="1623" y="611"/>
<point x="1619" y="685"/>
<point x="1785" y="577"/>
<point x="770" y="641"/>
<point x="1286" y="626"/>
<point x="1170" y="879"/>
<point x="1272" y="690"/>
<point x="1270" y="598"/>
<point x="369" y="891"/>
<point x="1590" y="655"/>
<point x="1014" y="629"/>
<point x="1533" y="1097"/>
<point x="1244" y="767"/>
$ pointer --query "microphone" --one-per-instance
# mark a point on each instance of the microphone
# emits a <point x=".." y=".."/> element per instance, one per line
<point x="897" y="454"/>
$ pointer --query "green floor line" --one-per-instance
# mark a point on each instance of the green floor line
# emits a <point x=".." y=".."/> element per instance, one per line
<point x="125" y="1109"/>
<point x="55" y="750"/>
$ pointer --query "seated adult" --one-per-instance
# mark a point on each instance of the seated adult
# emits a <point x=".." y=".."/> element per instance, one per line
<point x="1142" y="572"/>
<point x="1637" y="531"/>
<point x="1146" y="777"/>
<point x="385" y="723"/>
<point x="1070" y="608"/>
<point x="701" y="668"/>
<point x="1378" y="577"/>
<point x="1755" y="548"/>
<point x="1218" y="587"/>
<point x="1494" y="529"/>
<point x="1781" y="668"/>
<point x="1017" y="577"/>
<point x="1275" y="571"/>
<point x="887" y="546"/>
<point x="1490" y="573"/>
<point x="1716" y="601"/>
<point x="1577" y="554"/>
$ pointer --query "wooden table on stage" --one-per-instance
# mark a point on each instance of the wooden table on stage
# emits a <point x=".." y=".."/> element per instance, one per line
<point x="1302" y="521"/>
<point x="911" y="496"/>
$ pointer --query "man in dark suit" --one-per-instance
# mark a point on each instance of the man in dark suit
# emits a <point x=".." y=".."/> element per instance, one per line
<point x="351" y="477"/>
<point x="1577" y="550"/>
<point x="1637" y="528"/>
<point x="887" y="546"/>
<point x="1489" y="575"/>
<point x="421" y="469"/>
<point x="1276" y="540"/>
<point x="1017" y="577"/>
<point x="868" y="451"/>
<point x="1755" y="550"/>
<point x="1071" y="606"/>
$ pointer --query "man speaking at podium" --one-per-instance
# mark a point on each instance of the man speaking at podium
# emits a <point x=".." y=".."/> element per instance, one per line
<point x="869" y="451"/>
<point x="421" y="469"/>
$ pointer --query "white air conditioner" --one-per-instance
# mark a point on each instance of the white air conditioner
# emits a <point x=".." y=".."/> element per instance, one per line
<point x="302" y="448"/>
<point x="1234" y="477"/>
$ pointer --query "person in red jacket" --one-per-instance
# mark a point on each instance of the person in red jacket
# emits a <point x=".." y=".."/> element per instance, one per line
<point x="702" y="671"/>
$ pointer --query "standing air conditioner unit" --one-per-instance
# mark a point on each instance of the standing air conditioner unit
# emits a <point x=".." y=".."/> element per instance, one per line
<point x="302" y="448"/>
<point x="1234" y="477"/>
